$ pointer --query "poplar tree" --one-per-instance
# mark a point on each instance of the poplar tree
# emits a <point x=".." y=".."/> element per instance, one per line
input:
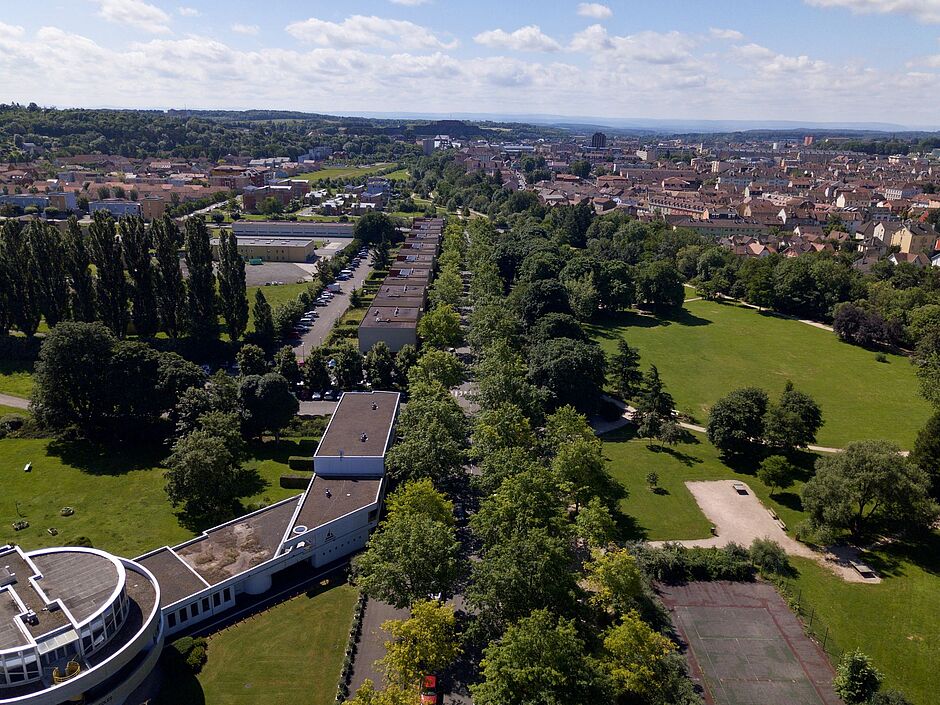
<point x="200" y="298"/>
<point x="18" y="285"/>
<point x="264" y="321"/>
<point x="171" y="293"/>
<point x="78" y="273"/>
<point x="46" y="270"/>
<point x="136" y="243"/>
<point x="233" y="296"/>
<point x="110" y="282"/>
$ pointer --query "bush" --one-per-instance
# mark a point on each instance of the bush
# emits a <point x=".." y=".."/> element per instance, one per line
<point x="197" y="658"/>
<point x="857" y="680"/>
<point x="769" y="558"/>
<point x="673" y="563"/>
<point x="184" y="645"/>
<point x="82" y="542"/>
<point x="295" y="482"/>
<point x="300" y="462"/>
<point x="11" y="423"/>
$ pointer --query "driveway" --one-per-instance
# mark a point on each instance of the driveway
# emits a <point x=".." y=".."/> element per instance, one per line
<point x="332" y="312"/>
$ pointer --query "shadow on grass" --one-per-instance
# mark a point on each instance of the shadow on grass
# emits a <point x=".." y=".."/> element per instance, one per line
<point x="923" y="551"/>
<point x="790" y="500"/>
<point x="685" y="458"/>
<point x="106" y="458"/>
<point x="179" y="685"/>
<point x="628" y="528"/>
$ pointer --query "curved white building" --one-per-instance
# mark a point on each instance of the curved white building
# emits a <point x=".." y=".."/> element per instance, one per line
<point x="76" y="625"/>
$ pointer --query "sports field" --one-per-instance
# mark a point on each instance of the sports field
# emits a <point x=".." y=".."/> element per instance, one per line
<point x="711" y="348"/>
<point x="746" y="647"/>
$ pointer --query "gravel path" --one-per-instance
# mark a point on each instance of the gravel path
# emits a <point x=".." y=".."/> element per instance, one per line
<point x="15" y="402"/>
<point x="741" y="518"/>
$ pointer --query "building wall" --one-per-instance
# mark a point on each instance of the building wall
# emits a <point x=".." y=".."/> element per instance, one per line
<point x="395" y="338"/>
<point x="349" y="466"/>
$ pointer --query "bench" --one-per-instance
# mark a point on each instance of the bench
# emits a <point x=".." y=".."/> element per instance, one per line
<point x="863" y="570"/>
<point x="739" y="487"/>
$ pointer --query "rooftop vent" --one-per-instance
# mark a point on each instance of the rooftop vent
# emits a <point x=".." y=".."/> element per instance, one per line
<point x="328" y="493"/>
<point x="374" y="406"/>
<point x="363" y="437"/>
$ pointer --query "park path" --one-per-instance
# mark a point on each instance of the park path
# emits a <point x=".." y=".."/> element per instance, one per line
<point x="15" y="402"/>
<point x="741" y="518"/>
<point x="806" y="321"/>
<point x="601" y="426"/>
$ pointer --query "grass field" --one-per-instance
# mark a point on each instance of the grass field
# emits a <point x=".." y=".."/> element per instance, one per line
<point x="16" y="378"/>
<point x="712" y="348"/>
<point x="894" y="622"/>
<point x="275" y="295"/>
<point x="118" y="496"/>
<point x="344" y="172"/>
<point x="4" y="410"/>
<point x="291" y="653"/>
<point x="673" y="513"/>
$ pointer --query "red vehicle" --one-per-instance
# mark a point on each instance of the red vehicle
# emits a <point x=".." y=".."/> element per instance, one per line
<point x="429" y="694"/>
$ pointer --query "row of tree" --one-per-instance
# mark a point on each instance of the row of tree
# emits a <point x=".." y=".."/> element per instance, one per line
<point x="122" y="273"/>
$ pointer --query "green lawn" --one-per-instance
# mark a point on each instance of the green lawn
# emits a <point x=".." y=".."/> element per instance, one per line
<point x="673" y="513"/>
<point x="895" y="622"/>
<point x="344" y="172"/>
<point x="16" y="378"/>
<point x="291" y="653"/>
<point x="398" y="175"/>
<point x="118" y="496"/>
<point x="4" y="410"/>
<point x="274" y="295"/>
<point x="711" y="348"/>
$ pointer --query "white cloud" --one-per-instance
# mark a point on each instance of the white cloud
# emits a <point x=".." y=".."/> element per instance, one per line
<point x="368" y="32"/>
<point x="188" y="11"/>
<point x="728" y="34"/>
<point x="10" y="30"/>
<point x="932" y="62"/>
<point x="530" y="38"/>
<point x="923" y="10"/>
<point x="643" y="47"/>
<point x="134" y="13"/>
<point x="594" y="10"/>
<point x="247" y="29"/>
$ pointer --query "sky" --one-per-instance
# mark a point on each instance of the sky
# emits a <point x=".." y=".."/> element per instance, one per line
<point x="803" y="60"/>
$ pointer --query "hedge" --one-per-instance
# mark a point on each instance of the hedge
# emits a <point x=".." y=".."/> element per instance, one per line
<point x="300" y="462"/>
<point x="295" y="482"/>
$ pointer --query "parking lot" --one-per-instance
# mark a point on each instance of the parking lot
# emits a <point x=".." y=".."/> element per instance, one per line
<point x="327" y="315"/>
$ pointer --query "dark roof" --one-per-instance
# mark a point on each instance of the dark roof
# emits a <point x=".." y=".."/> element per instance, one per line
<point x="329" y="498"/>
<point x="360" y="413"/>
<point x="176" y="578"/>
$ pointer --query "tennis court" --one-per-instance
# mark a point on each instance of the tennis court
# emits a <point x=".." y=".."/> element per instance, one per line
<point x="745" y="646"/>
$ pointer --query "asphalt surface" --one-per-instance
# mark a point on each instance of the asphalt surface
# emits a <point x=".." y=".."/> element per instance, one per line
<point x="332" y="312"/>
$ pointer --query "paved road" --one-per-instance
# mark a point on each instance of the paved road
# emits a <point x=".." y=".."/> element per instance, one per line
<point x="329" y="314"/>
<point x="15" y="402"/>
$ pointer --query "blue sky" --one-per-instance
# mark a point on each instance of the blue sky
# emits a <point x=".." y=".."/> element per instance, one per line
<point x="807" y="60"/>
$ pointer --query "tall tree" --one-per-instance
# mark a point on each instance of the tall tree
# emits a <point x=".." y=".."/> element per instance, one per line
<point x="46" y="262"/>
<point x="233" y="297"/>
<point x="424" y="643"/>
<point x="541" y="659"/>
<point x="736" y="421"/>
<point x="135" y="240"/>
<point x="625" y="367"/>
<point x="171" y="292"/>
<point x="78" y="273"/>
<point x="20" y="289"/>
<point x="315" y="372"/>
<point x="793" y="421"/>
<point x="926" y="453"/>
<point x="203" y="321"/>
<point x="267" y="404"/>
<point x="869" y="487"/>
<point x="110" y="279"/>
<point x="264" y="320"/>
<point x="379" y="366"/>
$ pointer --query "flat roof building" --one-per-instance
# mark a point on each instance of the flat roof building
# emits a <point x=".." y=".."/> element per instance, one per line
<point x="400" y="295"/>
<point x="286" y="228"/>
<point x="272" y="249"/>
<point x="358" y="435"/>
<point x="396" y="326"/>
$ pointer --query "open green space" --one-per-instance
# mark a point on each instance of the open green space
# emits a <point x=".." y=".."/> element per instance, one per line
<point x="894" y="622"/>
<point x="344" y="172"/>
<point x="710" y="348"/>
<point x="4" y="410"/>
<point x="672" y="513"/>
<point x="291" y="653"/>
<point x="275" y="295"/>
<point x="398" y="175"/>
<point x="16" y="378"/>
<point x="117" y="493"/>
